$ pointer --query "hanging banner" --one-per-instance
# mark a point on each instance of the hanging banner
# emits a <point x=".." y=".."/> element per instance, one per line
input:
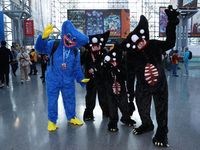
<point x="28" y="28"/>
<point x="2" y="35"/>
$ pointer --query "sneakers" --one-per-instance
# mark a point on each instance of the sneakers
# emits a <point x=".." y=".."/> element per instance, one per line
<point x="8" y="86"/>
<point x="75" y="121"/>
<point x="2" y="85"/>
<point x="185" y="75"/>
<point x="22" y="81"/>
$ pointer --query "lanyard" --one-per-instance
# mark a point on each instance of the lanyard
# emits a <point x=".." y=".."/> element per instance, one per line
<point x="65" y="53"/>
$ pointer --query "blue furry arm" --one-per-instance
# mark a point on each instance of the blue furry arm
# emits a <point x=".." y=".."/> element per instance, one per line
<point x="43" y="46"/>
<point x="77" y="69"/>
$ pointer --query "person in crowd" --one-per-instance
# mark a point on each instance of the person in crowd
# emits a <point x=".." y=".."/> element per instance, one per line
<point x="5" y="59"/>
<point x="33" y="59"/>
<point x="186" y="61"/>
<point x="175" y="60"/>
<point x="171" y="55"/>
<point x="14" y="64"/>
<point x="24" y="60"/>
<point x="44" y="61"/>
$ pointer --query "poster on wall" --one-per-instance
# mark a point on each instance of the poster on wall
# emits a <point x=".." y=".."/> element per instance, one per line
<point x="98" y="21"/>
<point x="2" y="35"/>
<point x="77" y="17"/>
<point x="195" y="25"/>
<point x="162" y="22"/>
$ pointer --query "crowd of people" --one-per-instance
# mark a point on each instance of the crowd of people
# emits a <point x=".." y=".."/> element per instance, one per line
<point x="22" y="60"/>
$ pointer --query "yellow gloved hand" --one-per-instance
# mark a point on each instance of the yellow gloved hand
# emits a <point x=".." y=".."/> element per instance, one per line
<point x="85" y="80"/>
<point x="48" y="30"/>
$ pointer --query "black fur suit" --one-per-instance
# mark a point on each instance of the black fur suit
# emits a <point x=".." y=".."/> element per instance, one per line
<point x="144" y="62"/>
<point x="116" y="90"/>
<point x="93" y="63"/>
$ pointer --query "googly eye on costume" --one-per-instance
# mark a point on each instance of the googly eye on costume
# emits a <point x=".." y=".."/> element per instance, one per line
<point x="102" y="39"/>
<point x="114" y="54"/>
<point x="114" y="59"/>
<point x="143" y="37"/>
<point x="74" y="39"/>
<point x="134" y="37"/>
<point x="94" y="40"/>
<point x="107" y="58"/>
<point x="142" y="31"/>
<point x="128" y="45"/>
<point x="90" y="45"/>
<point x="100" y="43"/>
<point x="68" y="35"/>
<point x="133" y="46"/>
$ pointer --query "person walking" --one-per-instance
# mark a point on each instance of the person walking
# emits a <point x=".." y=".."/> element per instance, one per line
<point x="44" y="61"/>
<point x="33" y="59"/>
<point x="186" y="61"/>
<point x="5" y="59"/>
<point x="24" y="60"/>
<point x="14" y="64"/>
<point x="175" y="59"/>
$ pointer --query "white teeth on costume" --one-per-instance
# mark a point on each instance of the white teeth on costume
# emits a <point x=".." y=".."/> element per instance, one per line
<point x="134" y="37"/>
<point x="90" y="45"/>
<point x="128" y="45"/>
<point x="100" y="43"/>
<point x="142" y="31"/>
<point x="114" y="59"/>
<point x="107" y="58"/>
<point x="94" y="40"/>
<point x="102" y="39"/>
<point x="133" y="46"/>
<point x="114" y="54"/>
<point x="143" y="37"/>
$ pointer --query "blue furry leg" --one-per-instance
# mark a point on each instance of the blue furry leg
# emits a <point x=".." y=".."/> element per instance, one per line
<point x="69" y="100"/>
<point x="52" y="104"/>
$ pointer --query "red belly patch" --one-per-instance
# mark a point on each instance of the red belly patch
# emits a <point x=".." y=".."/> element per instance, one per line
<point x="151" y="74"/>
<point x="116" y="88"/>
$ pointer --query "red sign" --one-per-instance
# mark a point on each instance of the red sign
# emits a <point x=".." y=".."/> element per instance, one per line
<point x="28" y="28"/>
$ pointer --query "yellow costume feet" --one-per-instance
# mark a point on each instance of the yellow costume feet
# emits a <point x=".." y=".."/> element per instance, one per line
<point x="52" y="126"/>
<point x="75" y="121"/>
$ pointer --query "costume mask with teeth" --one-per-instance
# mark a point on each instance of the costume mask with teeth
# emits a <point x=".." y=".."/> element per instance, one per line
<point x="97" y="42"/>
<point x="138" y="38"/>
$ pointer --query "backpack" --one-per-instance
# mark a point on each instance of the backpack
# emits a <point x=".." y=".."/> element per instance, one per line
<point x="190" y="55"/>
<point x="54" y="48"/>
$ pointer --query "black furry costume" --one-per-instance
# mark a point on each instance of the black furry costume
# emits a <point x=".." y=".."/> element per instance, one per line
<point x="144" y="62"/>
<point x="92" y="61"/>
<point x="116" y="90"/>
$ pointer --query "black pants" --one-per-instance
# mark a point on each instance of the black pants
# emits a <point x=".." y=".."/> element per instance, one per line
<point x="43" y="67"/>
<point x="33" y="67"/>
<point x="4" y="71"/>
<point x="14" y="67"/>
<point x="93" y="88"/>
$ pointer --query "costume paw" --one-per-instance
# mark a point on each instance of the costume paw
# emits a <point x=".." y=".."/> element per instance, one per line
<point x="172" y="14"/>
<point x="48" y="30"/>
<point x="85" y="80"/>
<point x="87" y="116"/>
<point x="75" y="121"/>
<point x="51" y="126"/>
<point x="160" y="140"/>
<point x="112" y="126"/>
<point x="143" y="129"/>
<point x="128" y="122"/>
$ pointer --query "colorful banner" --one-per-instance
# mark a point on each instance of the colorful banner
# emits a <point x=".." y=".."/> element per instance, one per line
<point x="162" y="22"/>
<point x="28" y="28"/>
<point x="2" y="35"/>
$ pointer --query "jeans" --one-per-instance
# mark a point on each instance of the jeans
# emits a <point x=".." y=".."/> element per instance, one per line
<point x="186" y="67"/>
<point x="174" y="68"/>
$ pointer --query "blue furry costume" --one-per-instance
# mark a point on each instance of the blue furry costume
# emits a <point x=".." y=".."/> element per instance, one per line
<point x="59" y="79"/>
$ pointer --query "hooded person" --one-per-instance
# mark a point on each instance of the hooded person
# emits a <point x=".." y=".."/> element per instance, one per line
<point x="144" y="61"/>
<point x="63" y="68"/>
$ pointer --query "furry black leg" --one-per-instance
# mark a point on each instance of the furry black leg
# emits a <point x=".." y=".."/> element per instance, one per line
<point x="160" y="139"/>
<point x="87" y="116"/>
<point x="143" y="129"/>
<point x="112" y="126"/>
<point x="129" y="122"/>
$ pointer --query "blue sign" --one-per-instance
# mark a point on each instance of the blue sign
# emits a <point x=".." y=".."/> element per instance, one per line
<point x="2" y="36"/>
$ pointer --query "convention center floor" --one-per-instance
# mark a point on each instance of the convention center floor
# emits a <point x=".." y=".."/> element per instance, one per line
<point x="23" y="119"/>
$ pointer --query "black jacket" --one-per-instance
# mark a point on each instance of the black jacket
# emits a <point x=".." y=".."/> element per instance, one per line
<point x="5" y="56"/>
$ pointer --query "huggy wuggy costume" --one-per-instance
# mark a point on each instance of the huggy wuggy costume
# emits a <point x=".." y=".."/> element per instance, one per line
<point x="63" y="69"/>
